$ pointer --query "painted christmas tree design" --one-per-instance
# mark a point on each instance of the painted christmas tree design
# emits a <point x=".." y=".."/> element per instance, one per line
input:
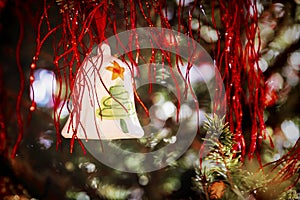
<point x="117" y="105"/>
<point x="111" y="109"/>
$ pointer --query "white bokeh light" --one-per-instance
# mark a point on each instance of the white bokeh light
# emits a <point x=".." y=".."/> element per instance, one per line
<point x="184" y="2"/>
<point x="43" y="87"/>
<point x="202" y="73"/>
<point x="290" y="130"/>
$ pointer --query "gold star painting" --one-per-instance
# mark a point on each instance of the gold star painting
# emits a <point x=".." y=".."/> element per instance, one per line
<point x="117" y="71"/>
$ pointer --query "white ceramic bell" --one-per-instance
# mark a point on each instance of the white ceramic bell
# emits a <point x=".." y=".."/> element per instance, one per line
<point x="103" y="100"/>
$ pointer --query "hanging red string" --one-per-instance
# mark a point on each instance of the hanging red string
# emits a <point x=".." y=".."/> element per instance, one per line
<point x="288" y="167"/>
<point x="238" y="64"/>
<point x="22" y="83"/>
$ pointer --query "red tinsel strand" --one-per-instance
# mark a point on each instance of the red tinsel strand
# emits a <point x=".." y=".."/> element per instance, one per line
<point x="133" y="38"/>
<point x="238" y="64"/>
<point x="146" y="17"/>
<point x="231" y="66"/>
<point x="22" y="84"/>
<point x="255" y="78"/>
<point x="219" y="102"/>
<point x="100" y="20"/>
<point x="289" y="166"/>
<point x="163" y="15"/>
<point x="74" y="137"/>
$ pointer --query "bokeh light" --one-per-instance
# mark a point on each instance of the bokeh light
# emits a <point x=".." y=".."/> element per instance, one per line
<point x="43" y="88"/>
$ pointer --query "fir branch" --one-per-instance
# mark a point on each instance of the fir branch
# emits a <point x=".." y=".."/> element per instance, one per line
<point x="221" y="161"/>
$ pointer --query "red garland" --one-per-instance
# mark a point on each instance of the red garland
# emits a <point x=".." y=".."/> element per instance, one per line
<point x="237" y="61"/>
<point x="238" y="64"/>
